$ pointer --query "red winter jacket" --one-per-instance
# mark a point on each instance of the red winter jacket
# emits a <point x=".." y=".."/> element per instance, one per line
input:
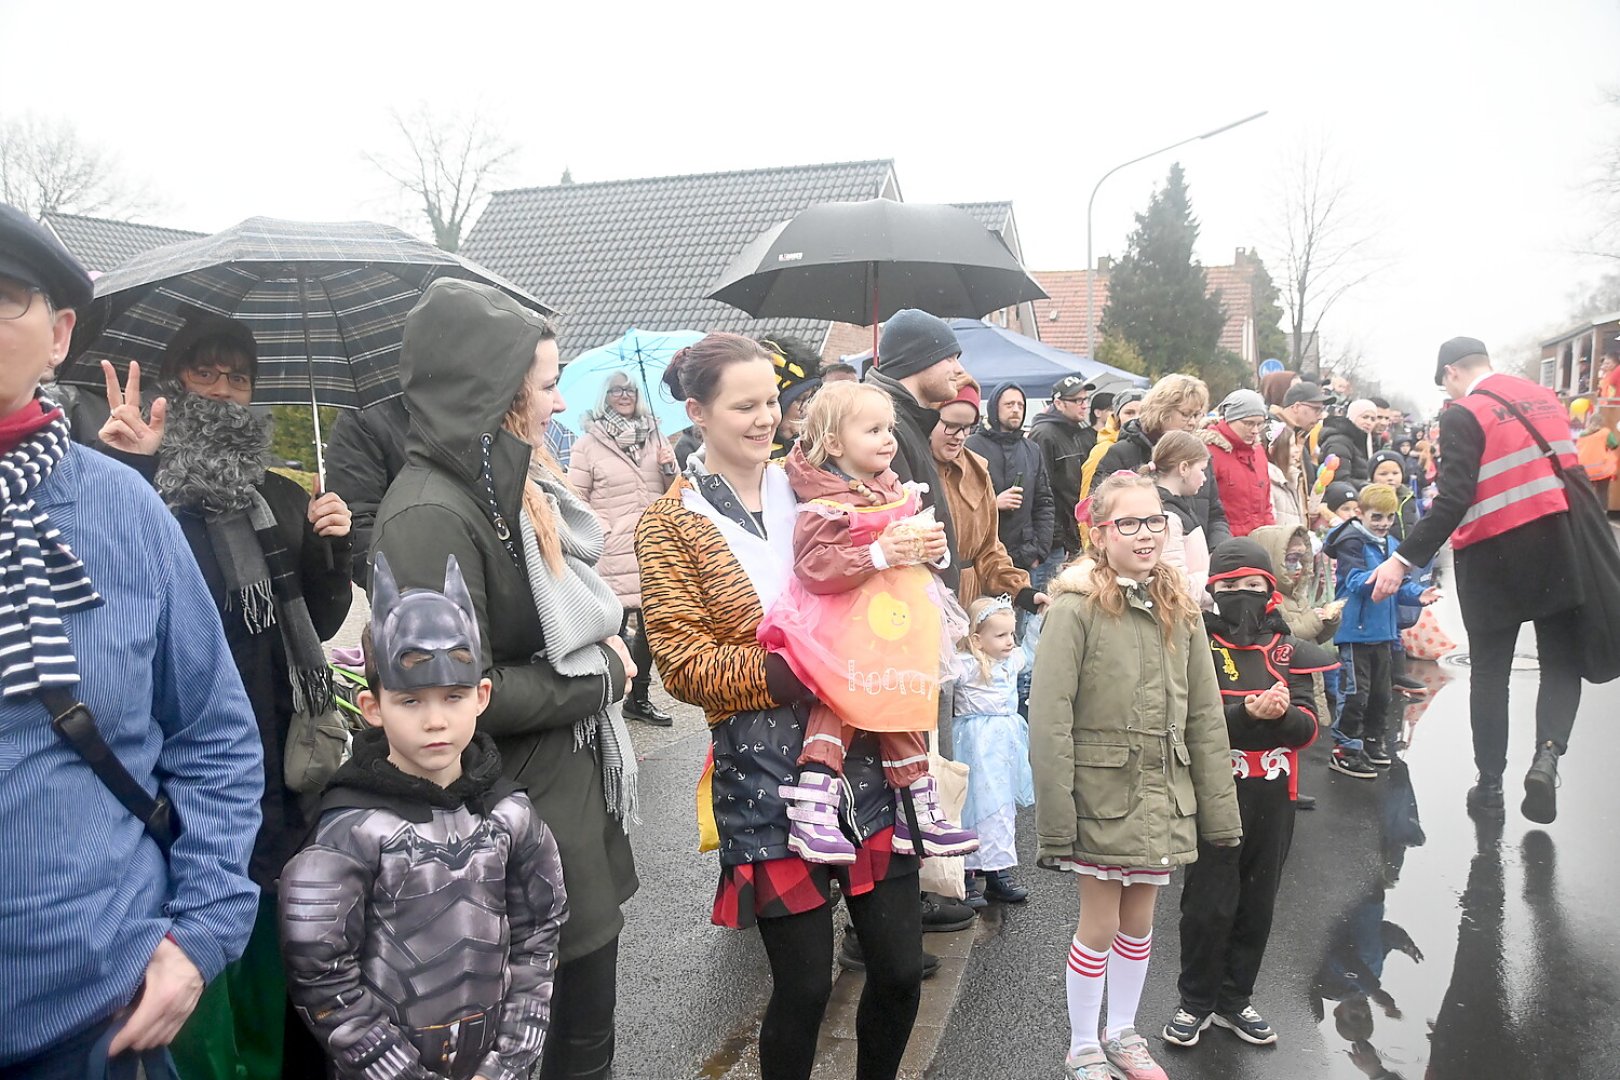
<point x="1242" y="476"/>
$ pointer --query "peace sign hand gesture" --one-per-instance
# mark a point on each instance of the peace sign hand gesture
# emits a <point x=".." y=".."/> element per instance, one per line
<point x="125" y="430"/>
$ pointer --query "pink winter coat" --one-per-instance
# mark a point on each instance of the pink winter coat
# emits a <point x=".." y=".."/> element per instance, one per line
<point x="618" y="489"/>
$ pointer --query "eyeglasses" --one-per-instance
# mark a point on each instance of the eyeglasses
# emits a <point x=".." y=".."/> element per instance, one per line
<point x="621" y="391"/>
<point x="16" y="298"/>
<point x="1132" y="525"/>
<point x="953" y="430"/>
<point x="207" y="376"/>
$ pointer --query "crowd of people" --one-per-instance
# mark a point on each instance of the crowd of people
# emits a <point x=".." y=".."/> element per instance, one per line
<point x="1131" y="611"/>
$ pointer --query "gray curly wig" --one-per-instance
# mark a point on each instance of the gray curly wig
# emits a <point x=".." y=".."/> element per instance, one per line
<point x="214" y="454"/>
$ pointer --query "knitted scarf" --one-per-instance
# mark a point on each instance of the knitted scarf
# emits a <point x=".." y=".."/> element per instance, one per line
<point x="214" y="457"/>
<point x="36" y="650"/>
<point x="577" y="612"/>
<point x="630" y="432"/>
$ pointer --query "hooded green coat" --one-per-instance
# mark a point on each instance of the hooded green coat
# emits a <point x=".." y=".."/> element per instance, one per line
<point x="467" y="350"/>
<point x="1127" y="736"/>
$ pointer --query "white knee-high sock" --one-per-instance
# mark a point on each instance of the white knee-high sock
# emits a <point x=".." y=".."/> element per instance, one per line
<point x="1085" y="976"/>
<point x="1127" y="972"/>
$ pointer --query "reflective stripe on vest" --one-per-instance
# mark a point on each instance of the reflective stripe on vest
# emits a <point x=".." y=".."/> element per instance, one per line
<point x="1517" y="484"/>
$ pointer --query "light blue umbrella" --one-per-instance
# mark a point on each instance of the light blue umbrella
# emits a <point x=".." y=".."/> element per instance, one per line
<point x="641" y="354"/>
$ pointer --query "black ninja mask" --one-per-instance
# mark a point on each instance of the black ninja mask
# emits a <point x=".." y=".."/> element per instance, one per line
<point x="1243" y="610"/>
<point x="421" y="638"/>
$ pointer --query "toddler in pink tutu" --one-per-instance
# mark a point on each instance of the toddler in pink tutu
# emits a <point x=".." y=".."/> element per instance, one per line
<point x="864" y="624"/>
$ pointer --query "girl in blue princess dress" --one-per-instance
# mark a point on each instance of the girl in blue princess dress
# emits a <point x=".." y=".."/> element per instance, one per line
<point x="992" y="739"/>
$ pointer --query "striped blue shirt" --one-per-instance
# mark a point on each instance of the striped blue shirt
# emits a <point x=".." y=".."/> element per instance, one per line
<point x="85" y="895"/>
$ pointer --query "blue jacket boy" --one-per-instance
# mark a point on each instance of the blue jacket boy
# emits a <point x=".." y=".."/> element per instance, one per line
<point x="1357" y="552"/>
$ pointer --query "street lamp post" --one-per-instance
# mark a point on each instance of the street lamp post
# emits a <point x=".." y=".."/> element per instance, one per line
<point x="1090" y="276"/>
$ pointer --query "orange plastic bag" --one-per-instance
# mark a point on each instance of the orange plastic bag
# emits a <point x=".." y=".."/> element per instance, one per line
<point x="1424" y="640"/>
<point x="872" y="655"/>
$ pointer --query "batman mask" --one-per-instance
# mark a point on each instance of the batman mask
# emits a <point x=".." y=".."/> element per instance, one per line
<point x="422" y="638"/>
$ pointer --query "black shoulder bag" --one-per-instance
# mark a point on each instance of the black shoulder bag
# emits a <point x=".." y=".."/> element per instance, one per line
<point x="72" y="720"/>
<point x="1597" y="557"/>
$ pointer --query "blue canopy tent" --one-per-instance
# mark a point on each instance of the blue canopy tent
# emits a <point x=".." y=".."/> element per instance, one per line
<point x="993" y="356"/>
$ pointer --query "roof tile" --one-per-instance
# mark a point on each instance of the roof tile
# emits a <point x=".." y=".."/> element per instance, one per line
<point x="621" y="253"/>
<point x="101" y="244"/>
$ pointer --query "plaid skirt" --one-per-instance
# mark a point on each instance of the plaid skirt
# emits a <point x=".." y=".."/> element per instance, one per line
<point x="790" y="886"/>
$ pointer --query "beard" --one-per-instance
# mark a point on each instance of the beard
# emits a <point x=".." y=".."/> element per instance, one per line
<point x="214" y="454"/>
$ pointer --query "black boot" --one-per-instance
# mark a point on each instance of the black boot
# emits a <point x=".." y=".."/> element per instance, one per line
<point x="850" y="957"/>
<point x="1485" y="799"/>
<point x="638" y="706"/>
<point x="1541" y="786"/>
<point x="1000" y="886"/>
<point x="1402" y="680"/>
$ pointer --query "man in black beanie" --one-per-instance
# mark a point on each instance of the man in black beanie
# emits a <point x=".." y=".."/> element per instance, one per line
<point x="1507" y="516"/>
<point x="919" y="365"/>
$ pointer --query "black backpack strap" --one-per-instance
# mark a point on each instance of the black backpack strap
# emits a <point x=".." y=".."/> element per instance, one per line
<point x="73" y="721"/>
<point x="1535" y="433"/>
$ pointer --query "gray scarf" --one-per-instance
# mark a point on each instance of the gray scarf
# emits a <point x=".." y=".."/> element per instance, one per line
<point x="213" y="459"/>
<point x="630" y="432"/>
<point x="577" y="612"/>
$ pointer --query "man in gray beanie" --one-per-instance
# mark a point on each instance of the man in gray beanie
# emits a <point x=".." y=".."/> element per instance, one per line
<point x="919" y="365"/>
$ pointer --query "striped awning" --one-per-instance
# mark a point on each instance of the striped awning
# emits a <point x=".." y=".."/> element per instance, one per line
<point x="326" y="302"/>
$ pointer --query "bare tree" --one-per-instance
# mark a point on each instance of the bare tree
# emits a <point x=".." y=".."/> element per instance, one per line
<point x="447" y="163"/>
<point x="1605" y="186"/>
<point x="45" y="167"/>
<point x="1326" y="237"/>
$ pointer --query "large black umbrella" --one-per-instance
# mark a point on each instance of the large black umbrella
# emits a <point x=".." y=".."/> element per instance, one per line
<point x="326" y="303"/>
<point x="860" y="262"/>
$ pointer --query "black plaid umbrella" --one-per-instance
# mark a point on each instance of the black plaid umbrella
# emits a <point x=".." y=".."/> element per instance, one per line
<point x="326" y="303"/>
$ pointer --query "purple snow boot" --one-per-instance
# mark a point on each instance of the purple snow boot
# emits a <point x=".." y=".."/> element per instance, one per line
<point x="917" y="807"/>
<point x="813" y="832"/>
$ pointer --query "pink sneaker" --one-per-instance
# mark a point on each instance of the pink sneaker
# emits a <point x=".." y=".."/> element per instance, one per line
<point x="1128" y="1053"/>
<point x="813" y="832"/>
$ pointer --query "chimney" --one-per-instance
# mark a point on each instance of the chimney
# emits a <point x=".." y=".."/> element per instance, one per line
<point x="1105" y="263"/>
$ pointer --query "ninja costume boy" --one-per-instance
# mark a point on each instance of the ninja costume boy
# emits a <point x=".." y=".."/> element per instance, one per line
<point x="1230" y="893"/>
<point x="419" y="926"/>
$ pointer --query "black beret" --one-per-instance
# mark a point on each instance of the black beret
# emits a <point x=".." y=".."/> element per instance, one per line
<point x="29" y="253"/>
<point x="1453" y="351"/>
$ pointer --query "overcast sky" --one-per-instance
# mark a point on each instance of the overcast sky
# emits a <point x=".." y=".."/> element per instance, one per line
<point x="1466" y="129"/>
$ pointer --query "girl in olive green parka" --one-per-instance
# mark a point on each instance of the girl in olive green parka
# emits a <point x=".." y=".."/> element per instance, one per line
<point x="1132" y="766"/>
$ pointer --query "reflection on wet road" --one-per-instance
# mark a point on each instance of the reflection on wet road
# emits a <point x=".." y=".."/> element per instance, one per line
<point x="1481" y="949"/>
<point x="1408" y="942"/>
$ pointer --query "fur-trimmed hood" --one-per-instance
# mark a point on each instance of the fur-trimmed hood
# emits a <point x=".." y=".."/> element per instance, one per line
<point x="1213" y="437"/>
<point x="1073" y="578"/>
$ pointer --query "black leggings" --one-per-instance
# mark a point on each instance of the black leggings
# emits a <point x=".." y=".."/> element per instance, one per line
<point x="579" y="1045"/>
<point x="888" y="923"/>
<point x="640" y="652"/>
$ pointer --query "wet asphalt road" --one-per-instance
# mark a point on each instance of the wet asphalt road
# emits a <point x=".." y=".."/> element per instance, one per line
<point x="1408" y="942"/>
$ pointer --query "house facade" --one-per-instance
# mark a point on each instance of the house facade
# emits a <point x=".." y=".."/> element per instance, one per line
<point x="1062" y="318"/>
<point x="1569" y="362"/>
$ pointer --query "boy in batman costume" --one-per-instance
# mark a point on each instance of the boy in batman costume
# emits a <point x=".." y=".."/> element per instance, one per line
<point x="1230" y="893"/>
<point x="420" y="924"/>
